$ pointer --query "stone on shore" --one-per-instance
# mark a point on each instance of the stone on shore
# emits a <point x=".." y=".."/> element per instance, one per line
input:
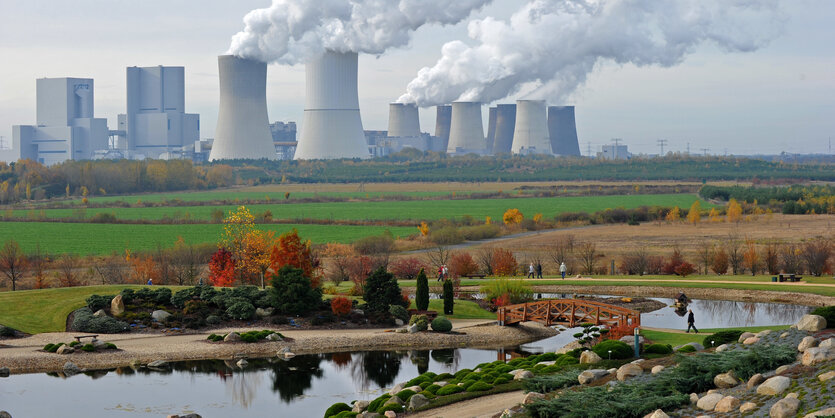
<point x="817" y="355"/>
<point x="629" y="370"/>
<point x="763" y="333"/>
<point x="417" y="401"/>
<point x="65" y="349"/>
<point x="727" y="404"/>
<point x="589" y="357"/>
<point x="396" y="389"/>
<point x="569" y="347"/>
<point x="117" y="306"/>
<point x="232" y="336"/>
<point x="782" y="369"/>
<point x="4" y="372"/>
<point x="807" y="343"/>
<point x="242" y="363"/>
<point x="744" y="336"/>
<point x="747" y="407"/>
<point x="811" y="323"/>
<point x="784" y="408"/>
<point x="159" y="315"/>
<point x="360" y="406"/>
<point x="158" y="364"/>
<point x="532" y="397"/>
<point x="274" y="337"/>
<point x="394" y="400"/>
<point x="657" y="414"/>
<point x="828" y="412"/>
<point x="755" y="380"/>
<point x="726" y="380"/>
<point x="708" y="402"/>
<point x="774" y="385"/>
<point x="591" y="376"/>
<point x="71" y="369"/>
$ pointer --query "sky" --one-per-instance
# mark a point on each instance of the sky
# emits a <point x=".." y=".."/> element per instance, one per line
<point x="780" y="98"/>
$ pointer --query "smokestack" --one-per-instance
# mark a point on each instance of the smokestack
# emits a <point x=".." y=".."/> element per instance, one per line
<point x="466" y="131"/>
<point x="332" y="126"/>
<point x="443" y="120"/>
<point x="563" y="130"/>
<point x="242" y="124"/>
<point x="491" y="129"/>
<point x="505" y="125"/>
<point x="531" y="133"/>
<point x="403" y="120"/>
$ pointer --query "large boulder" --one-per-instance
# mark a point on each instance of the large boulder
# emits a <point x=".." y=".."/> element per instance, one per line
<point x="755" y="380"/>
<point x="590" y="376"/>
<point x="745" y="335"/>
<point x="826" y="376"/>
<point x="816" y="355"/>
<point x="629" y="370"/>
<point x="657" y="369"/>
<point x="748" y="407"/>
<point x="159" y="315"/>
<point x="4" y="372"/>
<point x="360" y="406"/>
<point x="117" y="306"/>
<point x="522" y="374"/>
<point x="811" y="323"/>
<point x="417" y="401"/>
<point x="589" y="357"/>
<point x="532" y="397"/>
<point x="569" y="347"/>
<point x="4" y="414"/>
<point x="774" y="386"/>
<point x="721" y="348"/>
<point x="100" y="313"/>
<point x="397" y="388"/>
<point x="232" y="336"/>
<point x="763" y="333"/>
<point x="65" y="349"/>
<point x="751" y="340"/>
<point x="727" y="404"/>
<point x="828" y="412"/>
<point x="827" y="343"/>
<point x="726" y="380"/>
<point x="657" y="414"/>
<point x="784" y="408"/>
<point x="807" y="343"/>
<point x="71" y="369"/>
<point x="708" y="402"/>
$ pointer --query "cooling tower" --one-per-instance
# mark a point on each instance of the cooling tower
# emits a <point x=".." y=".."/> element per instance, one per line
<point x="531" y="133"/>
<point x="466" y="131"/>
<point x="505" y="125"/>
<point x="332" y="127"/>
<point x="443" y="119"/>
<point x="403" y="120"/>
<point x="563" y="130"/>
<point x="242" y="125"/>
<point x="491" y="129"/>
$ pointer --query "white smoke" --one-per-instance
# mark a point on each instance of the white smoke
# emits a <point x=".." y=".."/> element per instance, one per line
<point x="294" y="31"/>
<point x="555" y="44"/>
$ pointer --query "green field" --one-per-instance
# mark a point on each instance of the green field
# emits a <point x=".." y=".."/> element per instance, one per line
<point x="385" y="210"/>
<point x="675" y="338"/>
<point x="84" y="238"/>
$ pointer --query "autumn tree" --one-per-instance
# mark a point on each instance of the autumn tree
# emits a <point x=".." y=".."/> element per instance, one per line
<point x="816" y="255"/>
<point x="504" y="262"/>
<point x="751" y="257"/>
<point x="675" y="259"/>
<point x="38" y="262"/>
<point x="423" y="228"/>
<point x="635" y="261"/>
<point x="185" y="262"/>
<point x="406" y="268"/>
<point x="462" y="264"/>
<point x="144" y="269"/>
<point x="714" y="215"/>
<point x="772" y="258"/>
<point x="484" y="256"/>
<point x="674" y="215"/>
<point x="694" y="215"/>
<point x="113" y="269"/>
<point x="735" y="254"/>
<point x="512" y="217"/>
<point x="705" y="253"/>
<point x="734" y="212"/>
<point x="587" y="252"/>
<point x="338" y="257"/>
<point x="13" y="262"/>
<point x="290" y="250"/>
<point x="719" y="265"/>
<point x="222" y="268"/>
<point x="791" y="259"/>
<point x="67" y="272"/>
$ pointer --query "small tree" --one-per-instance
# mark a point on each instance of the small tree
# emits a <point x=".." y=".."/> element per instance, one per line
<point x="512" y="217"/>
<point x="734" y="212"/>
<point x="685" y="269"/>
<point x="292" y="251"/>
<point x="791" y="260"/>
<point x="292" y="292"/>
<point x="339" y="256"/>
<point x="674" y="215"/>
<point x="589" y="333"/>
<point x="772" y="258"/>
<point x="675" y="259"/>
<point x="381" y="291"/>
<point x="720" y="262"/>
<point x="12" y="262"/>
<point x="462" y="264"/>
<point x="694" y="215"/>
<point x="222" y="269"/>
<point x="705" y="253"/>
<point x="588" y="256"/>
<point x="735" y="254"/>
<point x="751" y="257"/>
<point x="422" y="291"/>
<point x="816" y="254"/>
<point x="485" y="259"/>
<point x="406" y="268"/>
<point x="449" y="302"/>
<point x="67" y="270"/>
<point x="504" y="263"/>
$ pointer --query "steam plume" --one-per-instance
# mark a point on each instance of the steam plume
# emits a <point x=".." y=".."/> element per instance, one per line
<point x="555" y="44"/>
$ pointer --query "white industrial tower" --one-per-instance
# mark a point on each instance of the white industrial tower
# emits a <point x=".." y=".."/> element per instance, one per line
<point x="403" y="120"/>
<point x="243" y="130"/>
<point x="563" y="130"/>
<point x="332" y="127"/>
<point x="466" y="131"/>
<point x="531" y="133"/>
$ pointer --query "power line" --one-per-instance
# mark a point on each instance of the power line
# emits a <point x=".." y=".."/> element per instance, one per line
<point x="705" y="150"/>
<point x="662" y="143"/>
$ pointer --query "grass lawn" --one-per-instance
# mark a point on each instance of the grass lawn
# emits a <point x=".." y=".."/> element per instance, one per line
<point x="675" y="339"/>
<point x="463" y="309"/>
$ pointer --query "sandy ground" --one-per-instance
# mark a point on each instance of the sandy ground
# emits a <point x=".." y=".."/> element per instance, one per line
<point x="24" y="356"/>
<point x="483" y="407"/>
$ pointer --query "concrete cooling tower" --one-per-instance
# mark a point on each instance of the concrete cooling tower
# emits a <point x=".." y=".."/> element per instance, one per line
<point x="491" y="129"/>
<point x="403" y="120"/>
<point x="505" y="125"/>
<point x="242" y="124"/>
<point x="443" y="120"/>
<point x="531" y="133"/>
<point x="332" y="127"/>
<point x="563" y="130"/>
<point x="466" y="131"/>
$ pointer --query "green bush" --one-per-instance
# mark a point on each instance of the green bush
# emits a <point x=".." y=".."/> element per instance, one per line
<point x="425" y="385"/>
<point x="75" y="343"/>
<point x="240" y="309"/>
<point x="722" y="337"/>
<point x="336" y="408"/>
<point x="620" y="349"/>
<point x="479" y="387"/>
<point x="828" y="313"/>
<point x="441" y="324"/>
<point x="501" y="380"/>
<point x="448" y="235"/>
<point x="292" y="292"/>
<point x="422" y="292"/>
<point x="346" y="414"/>
<point x="88" y="348"/>
<point x="48" y="347"/>
<point x="516" y="290"/>
<point x="405" y="395"/>
<point x="433" y="388"/>
<point x="421" y="321"/>
<point x="180" y="298"/>
<point x="548" y="356"/>
<point x="213" y="320"/>
<point x="687" y="349"/>
<point x="110" y="346"/>
<point x="84" y="321"/>
<point x="449" y="301"/>
<point x="162" y="296"/>
<point x="215" y="337"/>
<point x="427" y="394"/>
<point x="449" y="390"/>
<point x="399" y="312"/>
<point x="550" y="383"/>
<point x="96" y="302"/>
<point x="390" y="407"/>
<point x="381" y="291"/>
<point x="566" y="359"/>
<point x="377" y="403"/>
<point x="127" y="295"/>
<point x="658" y="349"/>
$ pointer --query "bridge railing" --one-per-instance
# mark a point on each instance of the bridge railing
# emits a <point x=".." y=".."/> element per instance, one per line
<point x="570" y="312"/>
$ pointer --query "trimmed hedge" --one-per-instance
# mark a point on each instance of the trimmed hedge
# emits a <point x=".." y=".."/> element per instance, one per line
<point x="620" y="350"/>
<point x="479" y="387"/>
<point x="84" y="321"/>
<point x="441" y="324"/>
<point x="658" y="349"/>
<point x="336" y="409"/>
<point x="722" y="337"/>
<point x="449" y="390"/>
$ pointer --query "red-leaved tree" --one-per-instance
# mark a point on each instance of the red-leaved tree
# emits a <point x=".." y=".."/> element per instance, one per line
<point x="462" y="264"/>
<point x="406" y="268"/>
<point x="292" y="251"/>
<point x="341" y="306"/>
<point x="222" y="268"/>
<point x="504" y="263"/>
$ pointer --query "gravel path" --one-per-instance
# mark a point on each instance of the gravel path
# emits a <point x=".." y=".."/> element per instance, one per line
<point x="483" y="407"/>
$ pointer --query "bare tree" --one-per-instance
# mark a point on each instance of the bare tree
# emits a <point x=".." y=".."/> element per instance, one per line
<point x="635" y="261"/>
<point x="736" y="253"/>
<point x="790" y="259"/>
<point x="185" y="264"/>
<point x="12" y="262"/>
<point x="772" y="258"/>
<point x="587" y="252"/>
<point x="485" y="259"/>
<point x="67" y="270"/>
<point x="563" y="251"/>
<point x="113" y="269"/>
<point x="816" y="255"/>
<point x="705" y="255"/>
<point x="438" y="256"/>
<point x="38" y="262"/>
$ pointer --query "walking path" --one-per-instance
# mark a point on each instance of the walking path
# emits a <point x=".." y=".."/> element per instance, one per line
<point x="638" y="278"/>
<point x="483" y="407"/>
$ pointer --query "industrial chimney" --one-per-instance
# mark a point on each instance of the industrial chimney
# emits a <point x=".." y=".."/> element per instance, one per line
<point x="443" y="120"/>
<point x="242" y="124"/>
<point x="531" y="133"/>
<point x="505" y="125"/>
<point x="563" y="130"/>
<point x="491" y="129"/>
<point x="403" y="120"/>
<point x="466" y="131"/>
<point x="332" y="126"/>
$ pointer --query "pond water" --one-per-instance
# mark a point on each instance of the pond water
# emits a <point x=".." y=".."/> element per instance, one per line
<point x="304" y="385"/>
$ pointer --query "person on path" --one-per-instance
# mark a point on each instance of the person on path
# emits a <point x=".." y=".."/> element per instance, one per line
<point x="563" y="269"/>
<point x="538" y="270"/>
<point x="440" y="273"/>
<point x="530" y="271"/>
<point x="446" y="272"/>
<point x="691" y="321"/>
<point x="150" y="282"/>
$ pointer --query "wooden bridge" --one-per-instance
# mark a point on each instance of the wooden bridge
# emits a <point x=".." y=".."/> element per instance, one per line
<point x="571" y="313"/>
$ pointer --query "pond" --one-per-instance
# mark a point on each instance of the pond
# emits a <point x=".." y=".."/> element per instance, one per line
<point x="305" y="385"/>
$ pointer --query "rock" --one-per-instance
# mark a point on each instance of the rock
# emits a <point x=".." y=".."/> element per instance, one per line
<point x="755" y="380"/>
<point x="782" y="369"/>
<point x="65" y="349"/>
<point x="827" y="343"/>
<point x="697" y="346"/>
<point x="391" y="414"/>
<point x="763" y="333"/>
<point x="657" y="369"/>
<point x="417" y="401"/>
<point x="289" y="354"/>
<point x="398" y="322"/>
<point x="415" y="388"/>
<point x="394" y="400"/>
<point x="630" y="339"/>
<point x="726" y="380"/>
<point x="811" y="323"/>
<point x="589" y="357"/>
<point x="823" y="377"/>
<point x="694" y="397"/>
<point x="657" y="414"/>
<point x="397" y="388"/>
<point x="784" y="408"/>
<point x="629" y="370"/>
<point x="274" y="337"/>
<point x="159" y="315"/>
<point x="522" y="374"/>
<point x="242" y="363"/>
<point x="71" y="369"/>
<point x="100" y="313"/>
<point x="4" y="372"/>
<point x="638" y="361"/>
<point x="413" y="329"/>
<point x="98" y="344"/>
<point x="158" y="364"/>
<point x="612" y="370"/>
<point x="591" y="376"/>
<point x="817" y="355"/>
<point x="4" y="414"/>
<point x="117" y="306"/>
<point x="232" y="336"/>
<point x="744" y="336"/>
<point x="367" y="414"/>
<point x="442" y="383"/>
<point x="264" y="312"/>
<point x="807" y="343"/>
<point x="721" y="348"/>
<point x="569" y="347"/>
<point x="784" y="335"/>
<point x="748" y="407"/>
<point x="774" y="385"/>
<point x="828" y="412"/>
<point x="360" y="406"/>
<point x="727" y="404"/>
<point x="712" y="391"/>
<point x="532" y="397"/>
<point x="793" y="395"/>
<point x="508" y="413"/>
<point x="708" y="402"/>
<point x="751" y="340"/>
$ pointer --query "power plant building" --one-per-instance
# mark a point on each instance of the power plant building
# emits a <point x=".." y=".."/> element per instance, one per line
<point x="65" y="128"/>
<point x="443" y="120"/>
<point x="505" y="127"/>
<point x="466" y="132"/>
<point x="156" y="123"/>
<point x="530" y="135"/>
<point x="563" y="130"/>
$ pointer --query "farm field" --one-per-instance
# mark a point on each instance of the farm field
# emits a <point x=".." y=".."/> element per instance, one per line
<point x="384" y="210"/>
<point x="97" y="239"/>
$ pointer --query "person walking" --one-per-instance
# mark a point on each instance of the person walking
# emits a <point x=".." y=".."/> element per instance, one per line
<point x="530" y="271"/>
<point x="563" y="269"/>
<point x="446" y="272"/>
<point x="691" y="322"/>
<point x="440" y="273"/>
<point x="538" y="270"/>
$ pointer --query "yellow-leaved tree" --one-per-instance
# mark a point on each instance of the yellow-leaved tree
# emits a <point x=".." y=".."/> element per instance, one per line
<point x="674" y="215"/>
<point x="734" y="211"/>
<point x="512" y="217"/>
<point x="714" y="215"/>
<point x="694" y="216"/>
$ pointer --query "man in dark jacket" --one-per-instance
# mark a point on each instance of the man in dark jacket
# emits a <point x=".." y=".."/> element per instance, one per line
<point x="691" y="321"/>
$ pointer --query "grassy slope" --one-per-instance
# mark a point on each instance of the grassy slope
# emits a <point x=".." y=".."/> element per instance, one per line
<point x="675" y="339"/>
<point x="83" y="238"/>
<point x="417" y="210"/>
<point x="249" y="194"/>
